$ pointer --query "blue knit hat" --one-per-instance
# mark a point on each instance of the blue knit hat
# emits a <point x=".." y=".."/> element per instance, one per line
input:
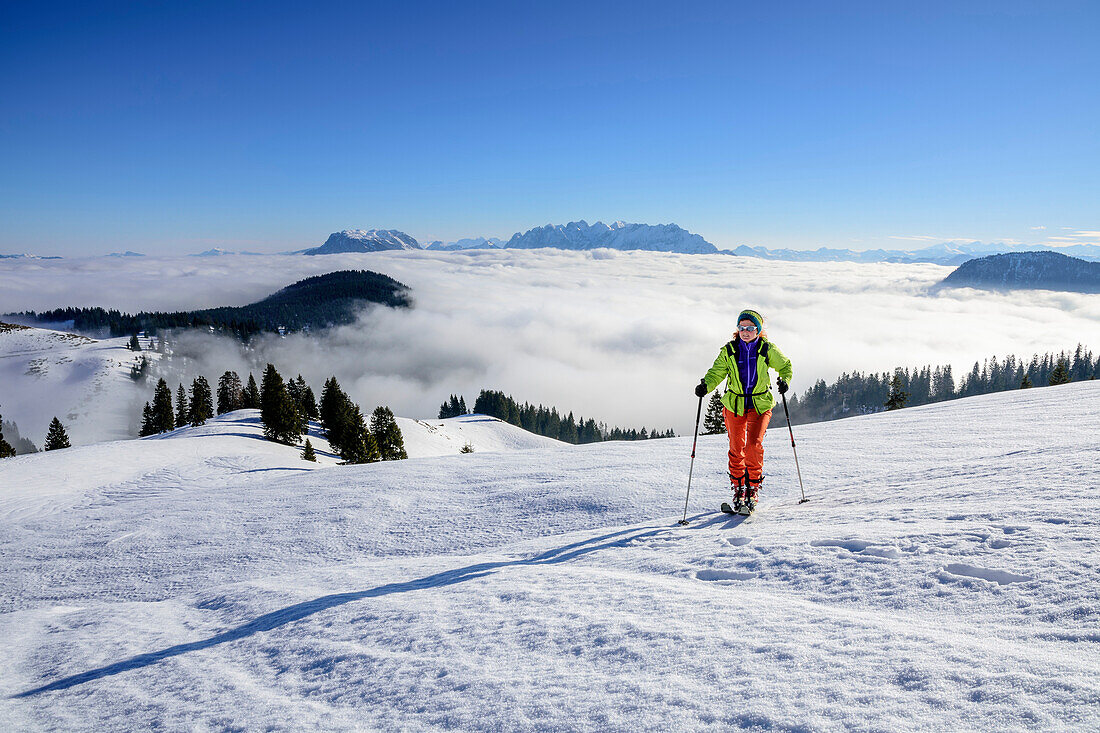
<point x="753" y="316"/>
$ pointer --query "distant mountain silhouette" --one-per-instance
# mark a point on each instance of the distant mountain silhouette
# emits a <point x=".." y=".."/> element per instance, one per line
<point x="1026" y="271"/>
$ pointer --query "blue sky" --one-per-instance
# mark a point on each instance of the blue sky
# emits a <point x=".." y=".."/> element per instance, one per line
<point x="175" y="127"/>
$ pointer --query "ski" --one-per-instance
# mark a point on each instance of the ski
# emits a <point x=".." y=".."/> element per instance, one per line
<point x="727" y="508"/>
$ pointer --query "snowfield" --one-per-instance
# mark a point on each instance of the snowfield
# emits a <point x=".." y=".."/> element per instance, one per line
<point x="83" y="382"/>
<point x="945" y="575"/>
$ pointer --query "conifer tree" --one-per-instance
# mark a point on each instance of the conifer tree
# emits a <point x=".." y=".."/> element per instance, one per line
<point x="250" y="397"/>
<point x="134" y="345"/>
<point x="277" y="412"/>
<point x="202" y="402"/>
<point x="147" y="421"/>
<point x="56" y="437"/>
<point x="387" y="435"/>
<point x="714" y="423"/>
<point x="163" y="419"/>
<point x="297" y="390"/>
<point x="1025" y="383"/>
<point x="307" y="452"/>
<point x="6" y="451"/>
<point x="1060" y="375"/>
<point x="898" y="395"/>
<point x="357" y="443"/>
<point x="308" y="401"/>
<point x="183" y="409"/>
<point x="230" y="394"/>
<point x="332" y="402"/>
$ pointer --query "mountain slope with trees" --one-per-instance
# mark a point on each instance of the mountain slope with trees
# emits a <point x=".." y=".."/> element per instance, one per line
<point x="1026" y="271"/>
<point x="313" y="303"/>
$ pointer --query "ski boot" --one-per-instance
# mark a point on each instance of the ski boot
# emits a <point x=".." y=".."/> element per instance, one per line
<point x="749" y="505"/>
<point x="738" y="487"/>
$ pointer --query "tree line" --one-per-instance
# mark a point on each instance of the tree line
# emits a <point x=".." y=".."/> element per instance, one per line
<point x="858" y="393"/>
<point x="286" y="407"/>
<point x="545" y="421"/>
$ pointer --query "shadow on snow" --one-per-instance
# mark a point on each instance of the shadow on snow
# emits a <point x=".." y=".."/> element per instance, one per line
<point x="299" y="611"/>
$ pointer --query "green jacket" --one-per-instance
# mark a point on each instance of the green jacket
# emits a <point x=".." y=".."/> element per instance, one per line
<point x="725" y="367"/>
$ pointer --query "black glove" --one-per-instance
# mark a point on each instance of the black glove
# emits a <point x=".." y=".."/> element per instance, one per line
<point x="701" y="388"/>
<point x="783" y="386"/>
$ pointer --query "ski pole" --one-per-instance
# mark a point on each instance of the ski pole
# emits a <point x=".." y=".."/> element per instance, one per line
<point x="695" y="440"/>
<point x="796" y="468"/>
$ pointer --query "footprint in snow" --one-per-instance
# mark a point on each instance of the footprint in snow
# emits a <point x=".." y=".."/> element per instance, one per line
<point x="1000" y="577"/>
<point x="865" y="550"/>
<point x="739" y="541"/>
<point x="723" y="575"/>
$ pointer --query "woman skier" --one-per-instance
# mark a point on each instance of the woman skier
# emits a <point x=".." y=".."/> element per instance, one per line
<point x="747" y="402"/>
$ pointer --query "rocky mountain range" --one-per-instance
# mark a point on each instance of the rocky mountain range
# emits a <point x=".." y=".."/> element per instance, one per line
<point x="580" y="235"/>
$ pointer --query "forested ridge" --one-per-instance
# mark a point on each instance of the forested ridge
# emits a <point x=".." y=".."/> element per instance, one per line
<point x="313" y="303"/>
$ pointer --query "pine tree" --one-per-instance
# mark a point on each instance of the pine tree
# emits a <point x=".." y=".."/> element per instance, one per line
<point x="309" y="402"/>
<point x="134" y="345"/>
<point x="357" y="443"/>
<point x="299" y="393"/>
<point x="1060" y="374"/>
<point x="898" y="395"/>
<point x="280" y="419"/>
<point x="714" y="423"/>
<point x="56" y="438"/>
<point x="250" y="397"/>
<point x="332" y="403"/>
<point x="147" y="421"/>
<point x="202" y="402"/>
<point x="387" y="435"/>
<point x="307" y="452"/>
<point x="230" y="394"/>
<point x="6" y="451"/>
<point x="1025" y="383"/>
<point x="453" y="407"/>
<point x="163" y="419"/>
<point x="183" y="410"/>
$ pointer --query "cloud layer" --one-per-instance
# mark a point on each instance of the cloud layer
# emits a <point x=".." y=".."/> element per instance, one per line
<point x="619" y="336"/>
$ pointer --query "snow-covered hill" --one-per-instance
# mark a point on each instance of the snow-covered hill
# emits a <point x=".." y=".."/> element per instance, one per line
<point x="944" y="576"/>
<point x="83" y="382"/>
<point x="358" y="240"/>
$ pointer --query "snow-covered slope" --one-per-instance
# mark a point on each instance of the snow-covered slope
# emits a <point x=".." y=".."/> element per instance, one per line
<point x="944" y="576"/>
<point x="479" y="432"/>
<point x="358" y="240"/>
<point x="83" y="382"/>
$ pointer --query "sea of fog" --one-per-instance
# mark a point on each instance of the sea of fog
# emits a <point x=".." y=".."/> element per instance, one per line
<point x="619" y="336"/>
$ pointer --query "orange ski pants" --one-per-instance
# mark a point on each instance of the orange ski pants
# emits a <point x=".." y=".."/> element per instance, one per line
<point x="746" y="435"/>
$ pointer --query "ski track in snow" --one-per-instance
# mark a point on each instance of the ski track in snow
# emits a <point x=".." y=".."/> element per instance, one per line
<point x="944" y="575"/>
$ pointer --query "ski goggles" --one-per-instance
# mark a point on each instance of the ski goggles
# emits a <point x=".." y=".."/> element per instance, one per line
<point x="749" y="329"/>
